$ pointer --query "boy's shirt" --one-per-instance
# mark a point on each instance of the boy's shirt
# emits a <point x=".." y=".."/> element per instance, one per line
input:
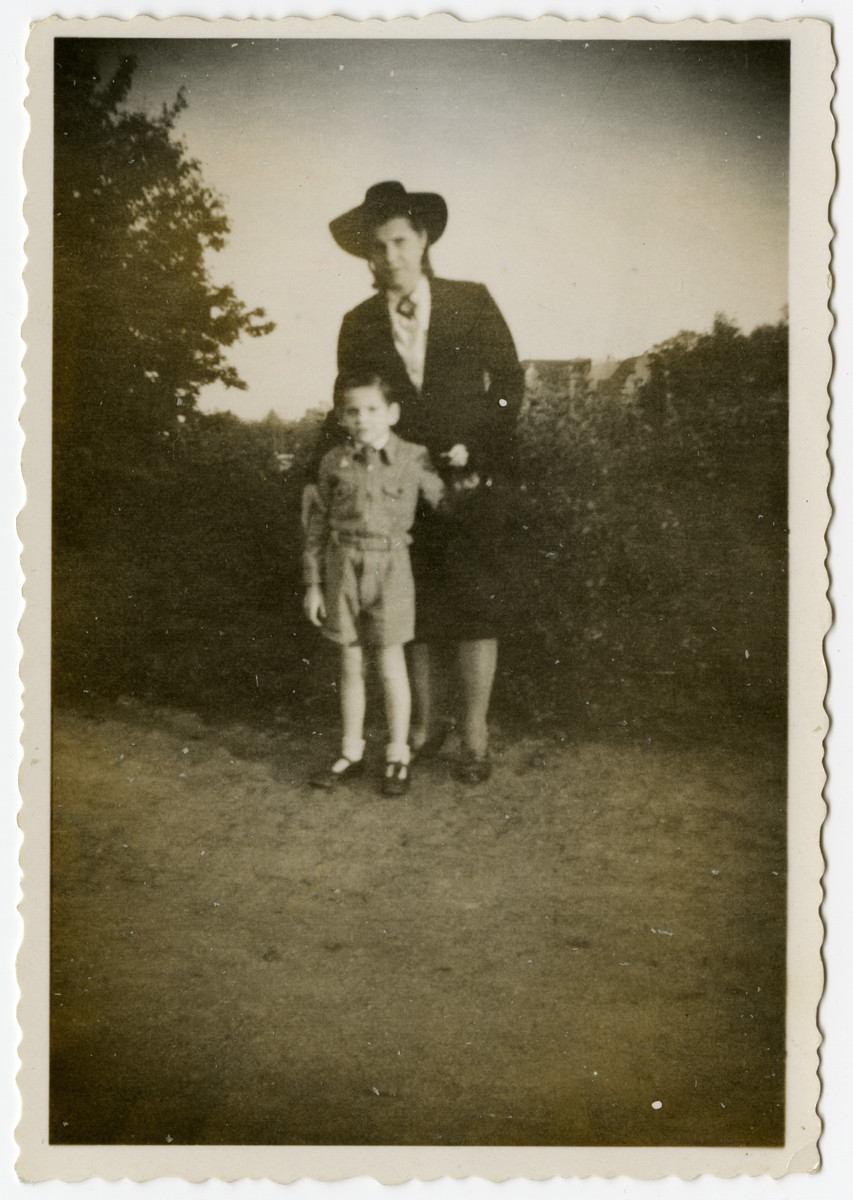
<point x="367" y="493"/>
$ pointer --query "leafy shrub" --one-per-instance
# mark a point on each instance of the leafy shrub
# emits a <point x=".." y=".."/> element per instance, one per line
<point x="654" y="534"/>
<point x="185" y="584"/>
<point x="647" y="552"/>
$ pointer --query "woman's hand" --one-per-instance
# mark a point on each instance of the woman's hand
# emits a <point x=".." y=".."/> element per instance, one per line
<point x="456" y="456"/>
<point x="314" y="604"/>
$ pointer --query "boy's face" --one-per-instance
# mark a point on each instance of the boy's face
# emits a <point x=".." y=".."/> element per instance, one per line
<point x="366" y="415"/>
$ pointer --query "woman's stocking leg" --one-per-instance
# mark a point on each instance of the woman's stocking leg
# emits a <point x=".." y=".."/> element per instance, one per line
<point x="477" y="665"/>
<point x="421" y="672"/>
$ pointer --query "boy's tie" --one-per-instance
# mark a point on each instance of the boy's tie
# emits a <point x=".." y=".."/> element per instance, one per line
<point x="367" y="455"/>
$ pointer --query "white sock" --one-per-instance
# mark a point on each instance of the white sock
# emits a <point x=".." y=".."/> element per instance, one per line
<point x="353" y="749"/>
<point x="397" y="752"/>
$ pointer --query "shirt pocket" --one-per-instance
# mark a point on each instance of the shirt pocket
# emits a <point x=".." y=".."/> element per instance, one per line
<point x="394" y="491"/>
<point x="347" y="502"/>
<point x="398" y="500"/>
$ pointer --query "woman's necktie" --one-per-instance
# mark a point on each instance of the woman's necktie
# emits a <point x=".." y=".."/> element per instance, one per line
<point x="408" y="340"/>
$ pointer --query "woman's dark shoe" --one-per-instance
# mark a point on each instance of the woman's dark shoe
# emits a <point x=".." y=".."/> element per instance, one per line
<point x="438" y="745"/>
<point x="342" y="770"/>
<point x="473" y="768"/>
<point x="396" y="780"/>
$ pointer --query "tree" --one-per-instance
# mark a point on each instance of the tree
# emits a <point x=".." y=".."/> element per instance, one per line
<point x="723" y="375"/>
<point x="139" y="326"/>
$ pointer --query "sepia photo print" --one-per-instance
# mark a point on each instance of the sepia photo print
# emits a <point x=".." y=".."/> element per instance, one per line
<point x="419" y="405"/>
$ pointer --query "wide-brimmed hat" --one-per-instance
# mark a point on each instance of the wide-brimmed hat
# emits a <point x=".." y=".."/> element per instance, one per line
<point x="381" y="203"/>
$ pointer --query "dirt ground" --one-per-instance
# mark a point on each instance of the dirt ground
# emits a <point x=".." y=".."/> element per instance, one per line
<point x="588" y="949"/>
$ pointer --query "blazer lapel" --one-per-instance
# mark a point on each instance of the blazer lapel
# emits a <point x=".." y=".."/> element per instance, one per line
<point x="438" y="336"/>
<point x="385" y="352"/>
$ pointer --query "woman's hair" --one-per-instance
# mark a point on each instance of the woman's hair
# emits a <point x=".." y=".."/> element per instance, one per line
<point x="365" y="378"/>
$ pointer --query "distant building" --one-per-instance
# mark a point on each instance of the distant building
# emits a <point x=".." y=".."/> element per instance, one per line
<point x="569" y="375"/>
<point x="613" y="378"/>
<point x="621" y="379"/>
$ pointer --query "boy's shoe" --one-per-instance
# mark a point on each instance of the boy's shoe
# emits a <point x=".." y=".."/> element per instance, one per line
<point x="473" y="768"/>
<point x="396" y="779"/>
<point x="342" y="770"/>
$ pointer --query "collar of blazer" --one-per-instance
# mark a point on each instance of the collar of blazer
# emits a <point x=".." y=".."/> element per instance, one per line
<point x="451" y="301"/>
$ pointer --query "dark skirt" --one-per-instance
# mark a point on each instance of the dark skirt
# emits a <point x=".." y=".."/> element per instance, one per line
<point x="460" y="568"/>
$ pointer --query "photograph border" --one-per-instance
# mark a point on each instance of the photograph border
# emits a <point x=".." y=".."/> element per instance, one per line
<point x="811" y="363"/>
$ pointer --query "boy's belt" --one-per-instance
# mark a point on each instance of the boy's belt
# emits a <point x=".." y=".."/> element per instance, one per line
<point x="369" y="541"/>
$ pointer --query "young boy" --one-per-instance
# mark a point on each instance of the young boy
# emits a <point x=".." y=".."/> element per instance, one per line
<point x="358" y="576"/>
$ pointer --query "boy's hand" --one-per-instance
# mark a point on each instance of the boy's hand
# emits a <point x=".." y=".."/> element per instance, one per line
<point x="314" y="604"/>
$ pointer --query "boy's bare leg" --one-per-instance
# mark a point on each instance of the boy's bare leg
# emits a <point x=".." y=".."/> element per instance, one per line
<point x="477" y="665"/>
<point x="398" y="700"/>
<point x="352" y="702"/>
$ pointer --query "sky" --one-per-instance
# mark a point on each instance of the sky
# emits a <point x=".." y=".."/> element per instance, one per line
<point x="609" y="193"/>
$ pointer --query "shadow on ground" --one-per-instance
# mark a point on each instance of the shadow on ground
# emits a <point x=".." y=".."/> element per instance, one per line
<point x="587" y="950"/>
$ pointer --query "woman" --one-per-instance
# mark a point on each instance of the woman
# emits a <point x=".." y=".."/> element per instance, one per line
<point x="444" y="348"/>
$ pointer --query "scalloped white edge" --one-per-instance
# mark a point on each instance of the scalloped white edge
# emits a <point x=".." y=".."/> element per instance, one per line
<point x="813" y="181"/>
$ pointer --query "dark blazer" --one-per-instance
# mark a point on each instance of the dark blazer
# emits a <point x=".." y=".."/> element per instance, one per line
<point x="471" y="367"/>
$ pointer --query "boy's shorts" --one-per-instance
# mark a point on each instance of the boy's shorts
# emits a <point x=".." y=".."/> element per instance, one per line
<point x="370" y="596"/>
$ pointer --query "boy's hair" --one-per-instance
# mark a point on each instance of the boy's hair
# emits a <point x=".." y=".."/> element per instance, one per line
<point x="347" y="381"/>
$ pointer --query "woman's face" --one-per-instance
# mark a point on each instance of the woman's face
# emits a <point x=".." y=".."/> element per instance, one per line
<point x="395" y="255"/>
